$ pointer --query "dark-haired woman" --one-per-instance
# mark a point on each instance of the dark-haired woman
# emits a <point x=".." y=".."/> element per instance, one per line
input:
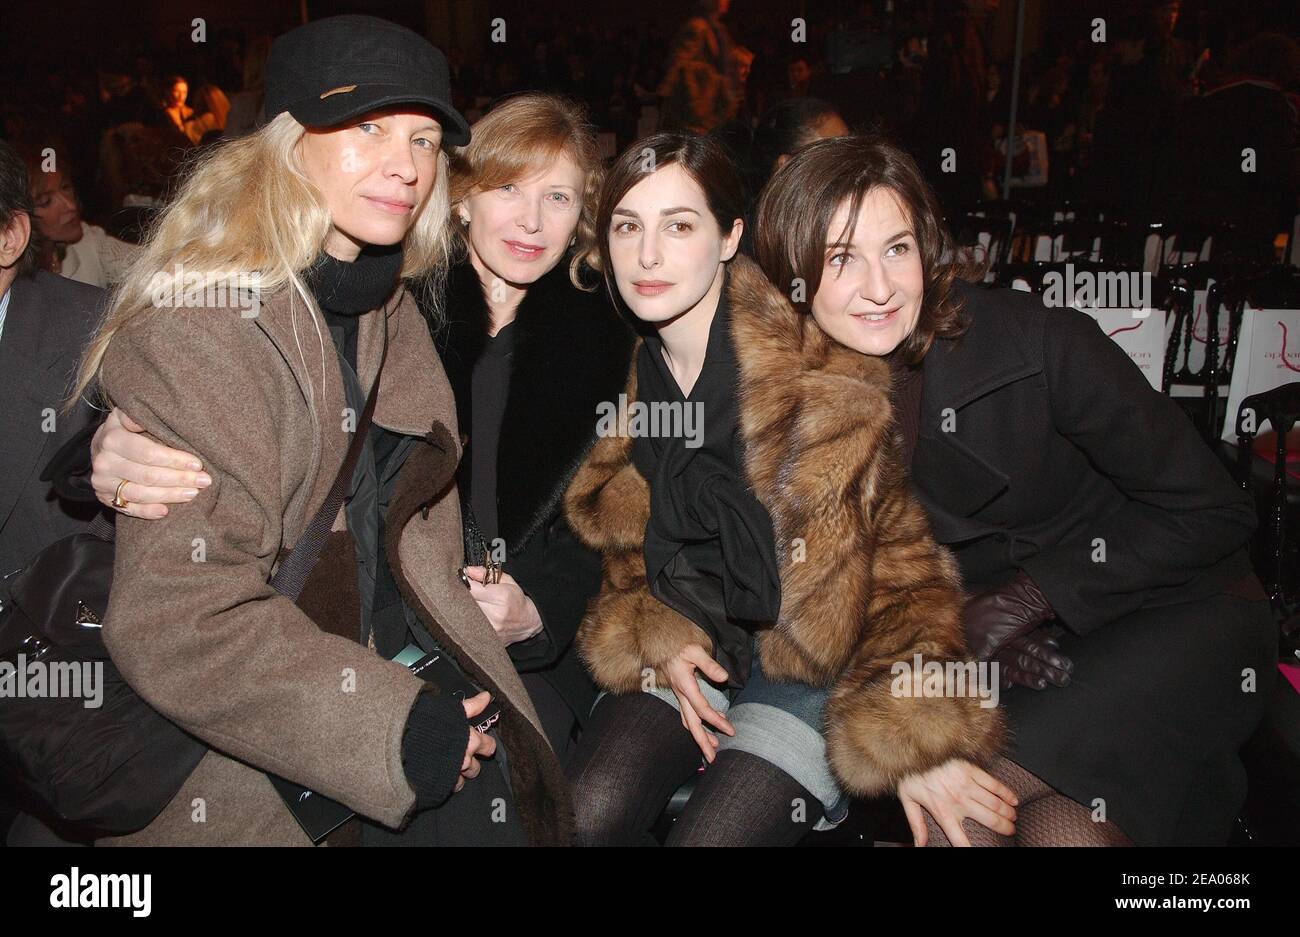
<point x="787" y="126"/>
<point x="178" y="113"/>
<point x="1103" y="542"/>
<point x="768" y="582"/>
<point x="65" y="243"/>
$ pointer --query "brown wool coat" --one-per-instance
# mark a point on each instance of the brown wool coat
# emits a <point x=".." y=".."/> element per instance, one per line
<point x="209" y="643"/>
<point x="872" y="588"/>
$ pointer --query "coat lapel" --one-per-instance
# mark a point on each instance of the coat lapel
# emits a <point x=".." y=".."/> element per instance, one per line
<point x="415" y="398"/>
<point x="411" y="394"/>
<point x="302" y="338"/>
<point x="951" y="478"/>
<point x="413" y="390"/>
<point x="571" y="353"/>
<point x="462" y="333"/>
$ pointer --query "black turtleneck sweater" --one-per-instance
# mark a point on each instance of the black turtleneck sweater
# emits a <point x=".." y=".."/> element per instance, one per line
<point x="345" y="292"/>
<point x="490" y="389"/>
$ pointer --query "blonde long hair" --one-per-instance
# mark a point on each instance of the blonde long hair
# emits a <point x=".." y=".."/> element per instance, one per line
<point x="247" y="207"/>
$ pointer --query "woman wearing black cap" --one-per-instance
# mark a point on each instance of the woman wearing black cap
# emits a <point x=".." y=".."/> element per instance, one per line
<point x="324" y="211"/>
<point x="530" y="351"/>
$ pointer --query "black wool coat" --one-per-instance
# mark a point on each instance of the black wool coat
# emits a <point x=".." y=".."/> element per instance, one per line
<point x="571" y="352"/>
<point x="1042" y="447"/>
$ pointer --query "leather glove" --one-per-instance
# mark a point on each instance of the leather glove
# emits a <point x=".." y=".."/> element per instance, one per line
<point x="1035" y="660"/>
<point x="1001" y="624"/>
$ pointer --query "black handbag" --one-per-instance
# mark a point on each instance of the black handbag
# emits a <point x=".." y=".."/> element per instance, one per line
<point x="108" y="769"/>
<point x="87" y="770"/>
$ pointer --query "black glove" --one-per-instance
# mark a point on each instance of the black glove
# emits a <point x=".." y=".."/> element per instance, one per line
<point x="1035" y="660"/>
<point x="433" y="746"/>
<point x="1001" y="624"/>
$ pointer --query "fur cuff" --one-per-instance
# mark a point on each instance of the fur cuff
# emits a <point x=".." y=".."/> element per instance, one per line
<point x="875" y="737"/>
<point x="607" y="505"/>
<point x="628" y="634"/>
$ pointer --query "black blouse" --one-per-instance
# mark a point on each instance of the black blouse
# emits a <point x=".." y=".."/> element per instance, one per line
<point x="489" y="390"/>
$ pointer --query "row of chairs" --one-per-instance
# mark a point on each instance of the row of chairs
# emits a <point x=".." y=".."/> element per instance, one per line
<point x="1229" y="289"/>
<point x="1281" y="408"/>
<point x="1010" y="233"/>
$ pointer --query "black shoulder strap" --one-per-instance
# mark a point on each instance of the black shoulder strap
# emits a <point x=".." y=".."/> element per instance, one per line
<point x="292" y="575"/>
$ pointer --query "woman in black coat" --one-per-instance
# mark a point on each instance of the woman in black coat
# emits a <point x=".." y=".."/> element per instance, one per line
<point x="1065" y="468"/>
<point x="530" y="355"/>
<point x="1103" y="540"/>
<point x="568" y="352"/>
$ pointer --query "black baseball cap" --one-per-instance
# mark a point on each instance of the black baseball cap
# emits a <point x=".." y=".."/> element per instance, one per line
<point x="336" y="69"/>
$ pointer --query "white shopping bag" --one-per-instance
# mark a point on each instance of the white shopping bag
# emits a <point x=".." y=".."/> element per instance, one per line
<point x="1139" y="332"/>
<point x="1268" y="356"/>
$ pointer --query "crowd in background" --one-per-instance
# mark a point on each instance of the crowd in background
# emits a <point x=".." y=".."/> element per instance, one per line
<point x="1140" y="121"/>
<point x="1143" y="123"/>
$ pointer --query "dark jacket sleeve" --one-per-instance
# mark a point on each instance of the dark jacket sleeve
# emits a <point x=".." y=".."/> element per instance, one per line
<point x="1183" y="513"/>
<point x="68" y="470"/>
<point x="561" y="576"/>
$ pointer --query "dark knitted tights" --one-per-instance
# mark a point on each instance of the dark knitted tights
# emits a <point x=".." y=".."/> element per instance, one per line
<point x="1044" y="817"/>
<point x="635" y="753"/>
